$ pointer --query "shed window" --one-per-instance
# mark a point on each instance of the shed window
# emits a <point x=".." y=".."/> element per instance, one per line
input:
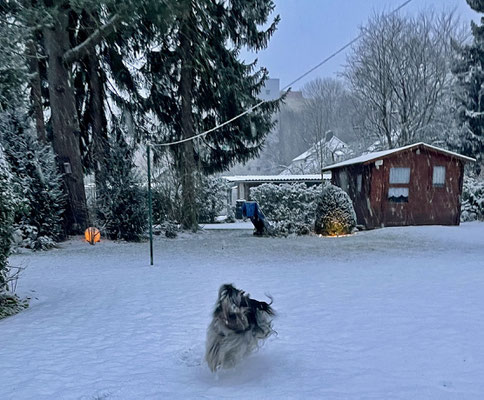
<point x="398" y="195"/>
<point x="438" y="178"/>
<point x="359" y="179"/>
<point x="400" y="175"/>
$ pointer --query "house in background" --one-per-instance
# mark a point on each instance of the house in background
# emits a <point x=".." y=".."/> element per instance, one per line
<point x="417" y="184"/>
<point x="327" y="151"/>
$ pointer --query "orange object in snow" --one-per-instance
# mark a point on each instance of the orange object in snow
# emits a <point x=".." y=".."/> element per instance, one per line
<point x="92" y="235"/>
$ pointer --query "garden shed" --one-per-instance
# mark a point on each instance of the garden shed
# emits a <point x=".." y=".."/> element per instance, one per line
<point x="418" y="184"/>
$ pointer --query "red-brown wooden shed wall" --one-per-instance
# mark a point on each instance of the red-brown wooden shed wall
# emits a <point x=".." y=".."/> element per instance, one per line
<point x="427" y="204"/>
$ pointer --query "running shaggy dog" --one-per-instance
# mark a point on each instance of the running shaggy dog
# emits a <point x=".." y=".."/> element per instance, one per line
<point x="238" y="326"/>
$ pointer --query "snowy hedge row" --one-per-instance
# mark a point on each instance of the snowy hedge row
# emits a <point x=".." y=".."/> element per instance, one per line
<point x="472" y="200"/>
<point x="290" y="208"/>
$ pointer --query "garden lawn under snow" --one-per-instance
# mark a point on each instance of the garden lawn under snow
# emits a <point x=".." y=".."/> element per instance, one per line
<point x="395" y="313"/>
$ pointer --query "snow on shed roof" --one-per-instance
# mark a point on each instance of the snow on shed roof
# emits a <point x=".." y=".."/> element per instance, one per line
<point x="380" y="154"/>
<point x="276" y="178"/>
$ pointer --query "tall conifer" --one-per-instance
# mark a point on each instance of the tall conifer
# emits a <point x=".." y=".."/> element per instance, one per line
<point x="197" y="81"/>
<point x="469" y="71"/>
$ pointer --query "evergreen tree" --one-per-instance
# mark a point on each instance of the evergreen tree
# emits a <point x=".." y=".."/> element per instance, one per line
<point x="197" y="82"/>
<point x="6" y="219"/>
<point x="121" y="200"/>
<point x="469" y="72"/>
<point x="37" y="182"/>
<point x="335" y="214"/>
<point x="74" y="37"/>
<point x="9" y="302"/>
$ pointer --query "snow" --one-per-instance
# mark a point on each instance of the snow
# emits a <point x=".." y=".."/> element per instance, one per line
<point x="229" y="226"/>
<point x="276" y="178"/>
<point x="394" y="313"/>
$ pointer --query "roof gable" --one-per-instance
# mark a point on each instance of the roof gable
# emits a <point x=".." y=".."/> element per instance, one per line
<point x="332" y="144"/>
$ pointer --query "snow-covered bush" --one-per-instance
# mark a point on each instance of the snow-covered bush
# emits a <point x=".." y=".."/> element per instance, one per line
<point x="290" y="208"/>
<point x="211" y="198"/>
<point x="472" y="200"/>
<point x="6" y="218"/>
<point x="121" y="204"/>
<point x="335" y="214"/>
<point x="37" y="182"/>
<point x="9" y="303"/>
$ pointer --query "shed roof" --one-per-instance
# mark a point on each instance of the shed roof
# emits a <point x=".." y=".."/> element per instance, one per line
<point x="277" y="178"/>
<point x="365" y="158"/>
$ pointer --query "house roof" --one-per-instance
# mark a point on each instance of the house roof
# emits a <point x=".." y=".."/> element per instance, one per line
<point x="277" y="178"/>
<point x="365" y="158"/>
<point x="333" y="144"/>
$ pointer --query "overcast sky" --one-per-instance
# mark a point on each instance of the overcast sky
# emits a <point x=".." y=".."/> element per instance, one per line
<point x="311" y="30"/>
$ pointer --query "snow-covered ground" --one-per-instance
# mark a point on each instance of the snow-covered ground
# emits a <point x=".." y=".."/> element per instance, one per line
<point x="395" y="313"/>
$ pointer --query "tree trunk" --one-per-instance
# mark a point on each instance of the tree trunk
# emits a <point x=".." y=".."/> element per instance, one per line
<point x="35" y="89"/>
<point x="65" y="124"/>
<point x="187" y="159"/>
<point x="99" y="132"/>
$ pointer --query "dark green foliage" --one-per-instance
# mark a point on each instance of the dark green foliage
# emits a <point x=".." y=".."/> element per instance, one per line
<point x="37" y="181"/>
<point x="13" y="69"/>
<point x="469" y="91"/>
<point x="335" y="214"/>
<point x="121" y="207"/>
<point x="290" y="208"/>
<point x="222" y="85"/>
<point x="196" y="82"/>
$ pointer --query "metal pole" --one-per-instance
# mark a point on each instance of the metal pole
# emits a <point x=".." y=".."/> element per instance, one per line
<point x="150" y="208"/>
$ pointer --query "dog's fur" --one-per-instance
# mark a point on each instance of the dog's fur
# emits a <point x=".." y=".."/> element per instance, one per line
<point x="239" y="323"/>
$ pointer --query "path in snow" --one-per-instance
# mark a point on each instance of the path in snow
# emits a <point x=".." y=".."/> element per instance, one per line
<point x="395" y="313"/>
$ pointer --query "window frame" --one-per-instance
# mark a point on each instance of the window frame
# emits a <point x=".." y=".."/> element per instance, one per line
<point x="399" y="181"/>
<point x="396" y="175"/>
<point x="439" y="184"/>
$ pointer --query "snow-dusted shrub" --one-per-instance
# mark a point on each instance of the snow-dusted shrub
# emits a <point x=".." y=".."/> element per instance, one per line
<point x="290" y="208"/>
<point x="6" y="219"/>
<point x="9" y="303"/>
<point x="37" y="182"/>
<point x="211" y="198"/>
<point x="472" y="200"/>
<point x="335" y="214"/>
<point x="121" y="204"/>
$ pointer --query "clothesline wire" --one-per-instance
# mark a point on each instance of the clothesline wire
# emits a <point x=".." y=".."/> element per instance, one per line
<point x="284" y="89"/>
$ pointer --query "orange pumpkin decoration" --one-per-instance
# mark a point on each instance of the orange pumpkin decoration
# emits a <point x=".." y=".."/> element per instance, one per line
<point x="92" y="235"/>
